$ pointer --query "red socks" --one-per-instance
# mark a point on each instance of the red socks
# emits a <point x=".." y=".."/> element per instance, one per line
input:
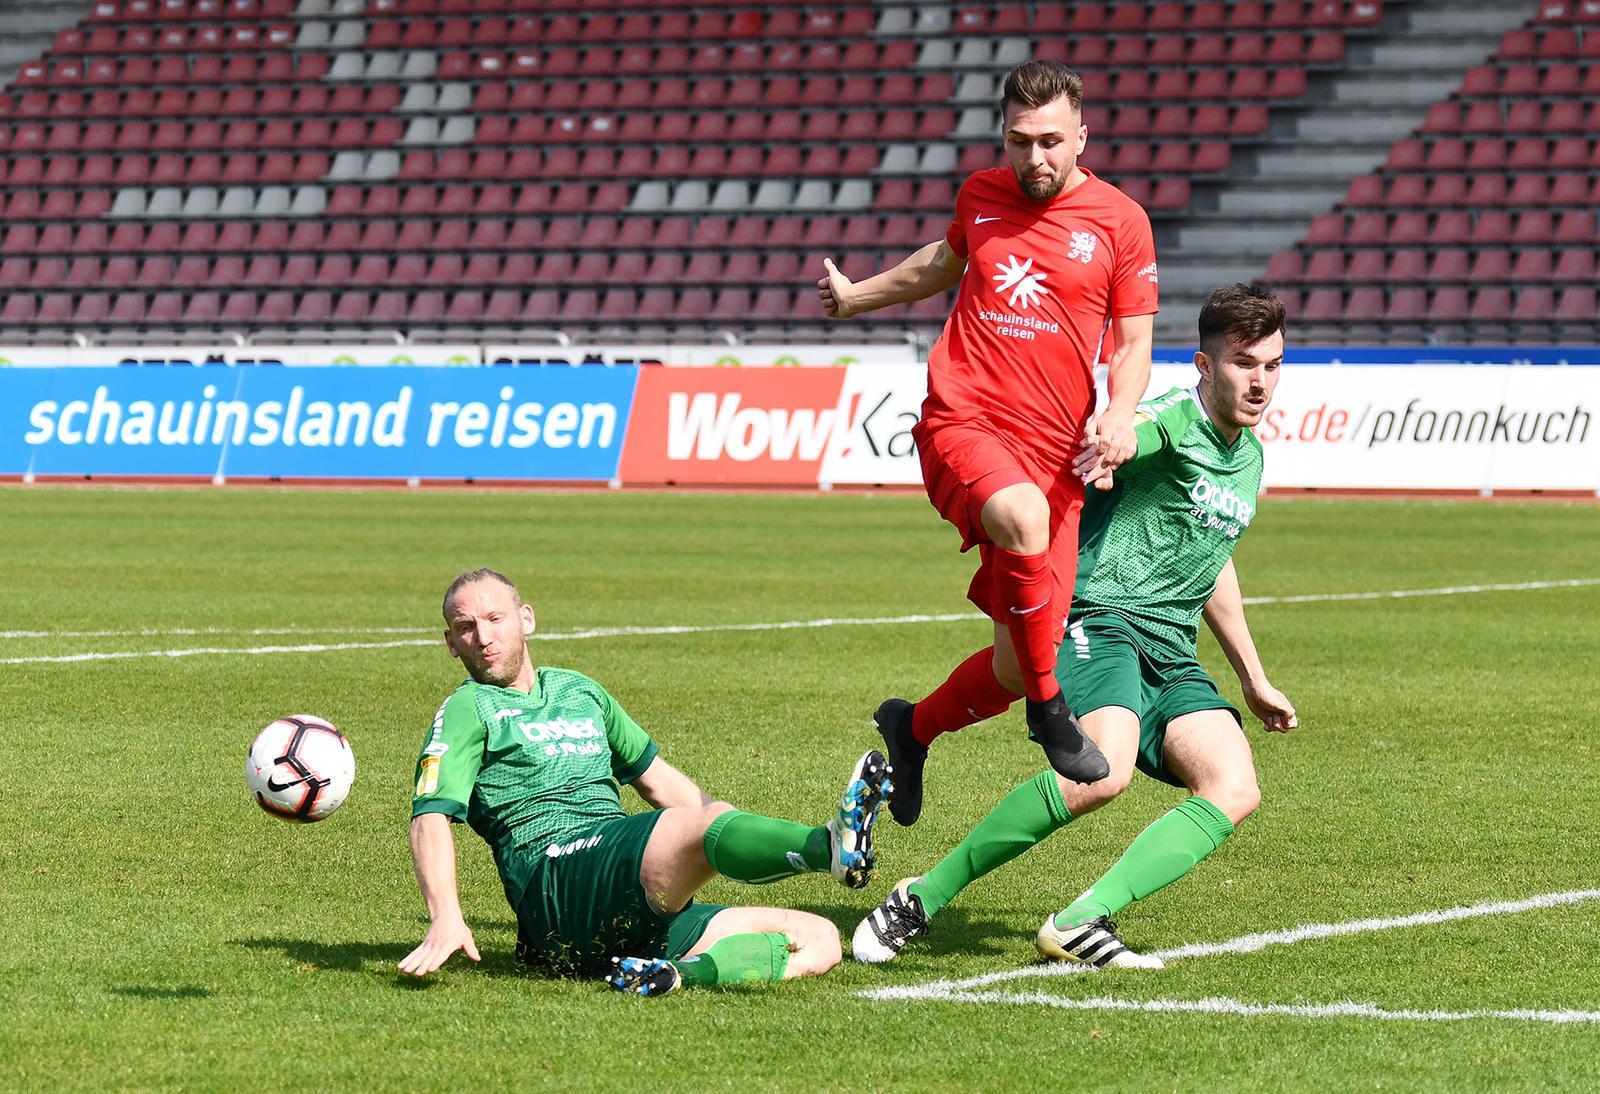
<point x="1022" y="591"/>
<point x="970" y="695"/>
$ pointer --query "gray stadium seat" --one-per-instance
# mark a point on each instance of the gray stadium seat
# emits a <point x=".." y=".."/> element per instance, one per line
<point x="421" y="131"/>
<point x="937" y="159"/>
<point x="975" y="87"/>
<point x="200" y="202"/>
<point x="419" y="64"/>
<point x="309" y="201"/>
<point x="731" y="195"/>
<point x="347" y="66"/>
<point x="128" y="203"/>
<point x="237" y="201"/>
<point x="773" y="194"/>
<point x="272" y="201"/>
<point x="348" y="165"/>
<point x="691" y="195"/>
<point x="418" y="98"/>
<point x="348" y="34"/>
<point x="313" y="35"/>
<point x="382" y="164"/>
<point x="650" y="197"/>
<point x="853" y="194"/>
<point x="899" y="159"/>
<point x="458" y="130"/>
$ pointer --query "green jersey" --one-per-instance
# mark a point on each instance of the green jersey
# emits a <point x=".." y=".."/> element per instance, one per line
<point x="529" y="771"/>
<point x="1151" y="547"/>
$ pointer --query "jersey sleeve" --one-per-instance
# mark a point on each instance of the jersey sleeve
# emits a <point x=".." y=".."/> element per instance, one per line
<point x="1157" y="425"/>
<point x="451" y="756"/>
<point x="956" y="234"/>
<point x="1133" y="280"/>
<point x="632" y="750"/>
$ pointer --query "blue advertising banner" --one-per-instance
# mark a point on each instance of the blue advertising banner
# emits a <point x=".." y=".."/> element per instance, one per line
<point x="533" y="423"/>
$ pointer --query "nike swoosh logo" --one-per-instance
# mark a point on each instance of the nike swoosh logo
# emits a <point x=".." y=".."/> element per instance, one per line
<point x="1028" y="611"/>
<point x="983" y="219"/>
<point x="277" y="787"/>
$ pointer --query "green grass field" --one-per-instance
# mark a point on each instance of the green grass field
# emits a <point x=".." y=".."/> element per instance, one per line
<point x="161" y="932"/>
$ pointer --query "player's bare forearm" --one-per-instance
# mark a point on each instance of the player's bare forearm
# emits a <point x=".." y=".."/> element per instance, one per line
<point x="929" y="270"/>
<point x="433" y="856"/>
<point x="663" y="786"/>
<point x="1128" y="374"/>
<point x="1224" y="615"/>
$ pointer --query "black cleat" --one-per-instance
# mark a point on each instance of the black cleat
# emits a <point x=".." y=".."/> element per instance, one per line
<point x="906" y="757"/>
<point x="1054" y="728"/>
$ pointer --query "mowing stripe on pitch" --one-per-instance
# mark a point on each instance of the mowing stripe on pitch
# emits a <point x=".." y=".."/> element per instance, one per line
<point x="962" y="990"/>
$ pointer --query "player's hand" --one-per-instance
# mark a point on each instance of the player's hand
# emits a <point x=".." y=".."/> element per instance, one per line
<point x="1089" y="465"/>
<point x="1114" y="437"/>
<point x="442" y="940"/>
<point x="834" y="290"/>
<point x="1271" y="706"/>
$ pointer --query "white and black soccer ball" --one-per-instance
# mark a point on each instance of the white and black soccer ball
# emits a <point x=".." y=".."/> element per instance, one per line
<point x="300" y="768"/>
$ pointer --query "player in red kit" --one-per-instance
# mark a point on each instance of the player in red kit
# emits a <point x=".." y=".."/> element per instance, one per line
<point x="1052" y="262"/>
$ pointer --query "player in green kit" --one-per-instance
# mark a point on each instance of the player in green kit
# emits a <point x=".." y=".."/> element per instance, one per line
<point x="531" y="757"/>
<point x="1155" y="555"/>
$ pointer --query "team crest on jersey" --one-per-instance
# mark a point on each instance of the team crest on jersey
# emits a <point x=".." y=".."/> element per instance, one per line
<point x="1018" y="278"/>
<point x="1083" y="245"/>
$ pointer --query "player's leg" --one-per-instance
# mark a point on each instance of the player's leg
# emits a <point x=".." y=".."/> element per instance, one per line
<point x="1207" y="751"/>
<point x="690" y="845"/>
<point x="1031" y="567"/>
<point x="736" y="946"/>
<point x="1023" y="818"/>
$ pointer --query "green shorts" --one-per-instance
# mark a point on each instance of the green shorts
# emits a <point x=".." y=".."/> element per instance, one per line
<point x="1105" y="662"/>
<point x="586" y="905"/>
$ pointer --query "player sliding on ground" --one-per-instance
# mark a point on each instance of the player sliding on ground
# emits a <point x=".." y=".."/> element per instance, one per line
<point x="1051" y="260"/>
<point x="531" y="756"/>
<point x="1156" y="555"/>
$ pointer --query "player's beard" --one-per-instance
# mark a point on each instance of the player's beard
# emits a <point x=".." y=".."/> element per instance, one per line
<point x="1046" y="189"/>
<point x="502" y="672"/>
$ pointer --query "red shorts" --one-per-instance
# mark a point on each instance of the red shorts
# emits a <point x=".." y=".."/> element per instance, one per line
<point x="965" y="463"/>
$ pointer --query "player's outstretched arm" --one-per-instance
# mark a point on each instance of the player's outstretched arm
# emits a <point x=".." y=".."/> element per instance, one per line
<point x="433" y="854"/>
<point x="1224" y="614"/>
<point x="1126" y="379"/>
<point x="932" y="269"/>
<point x="663" y="786"/>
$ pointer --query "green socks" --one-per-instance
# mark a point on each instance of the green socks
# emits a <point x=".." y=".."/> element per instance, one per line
<point x="1023" y="818"/>
<point x="738" y="959"/>
<point x="754" y="849"/>
<point x="1169" y="848"/>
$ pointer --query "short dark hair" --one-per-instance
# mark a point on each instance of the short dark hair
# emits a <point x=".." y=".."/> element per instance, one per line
<point x="483" y="573"/>
<point x="1034" y="83"/>
<point x="1245" y="313"/>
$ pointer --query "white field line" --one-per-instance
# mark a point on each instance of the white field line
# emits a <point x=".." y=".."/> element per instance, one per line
<point x="1223" y="1005"/>
<point x="560" y="636"/>
<point x="961" y="990"/>
<point x="789" y="624"/>
<point x="616" y="632"/>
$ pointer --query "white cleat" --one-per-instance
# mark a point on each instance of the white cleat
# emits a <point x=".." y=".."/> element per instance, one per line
<point x="1093" y="943"/>
<point x="892" y="924"/>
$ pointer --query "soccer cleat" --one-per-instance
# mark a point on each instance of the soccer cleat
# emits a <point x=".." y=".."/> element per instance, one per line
<point x="906" y="757"/>
<point x="1094" y="942"/>
<point x="644" y="975"/>
<point x="890" y="925"/>
<point x="850" y="855"/>
<point x="1073" y="755"/>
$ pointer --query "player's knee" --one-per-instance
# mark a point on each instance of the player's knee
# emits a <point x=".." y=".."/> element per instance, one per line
<point x="1237" y="797"/>
<point x="712" y="810"/>
<point x="1019" y="521"/>
<point x="815" y="944"/>
<point x="1083" y="797"/>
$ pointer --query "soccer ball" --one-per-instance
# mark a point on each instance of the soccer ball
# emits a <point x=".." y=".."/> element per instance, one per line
<point x="300" y="768"/>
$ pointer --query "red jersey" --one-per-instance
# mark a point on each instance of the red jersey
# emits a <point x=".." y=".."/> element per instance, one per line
<point x="1041" y="286"/>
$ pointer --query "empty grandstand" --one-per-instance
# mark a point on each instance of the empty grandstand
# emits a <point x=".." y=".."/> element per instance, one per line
<point x="1405" y="172"/>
